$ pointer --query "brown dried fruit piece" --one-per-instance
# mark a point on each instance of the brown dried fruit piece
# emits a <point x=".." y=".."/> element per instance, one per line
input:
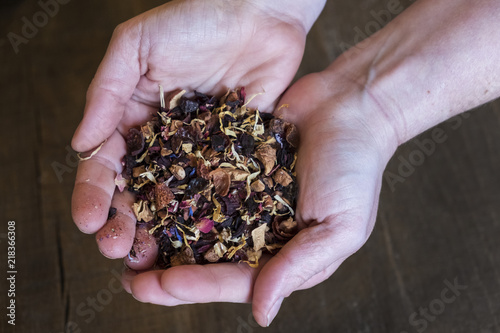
<point x="282" y="177"/>
<point x="267" y="155"/>
<point x="222" y="181"/>
<point x="163" y="196"/>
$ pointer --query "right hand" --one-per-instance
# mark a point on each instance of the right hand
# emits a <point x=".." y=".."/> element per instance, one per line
<point x="204" y="45"/>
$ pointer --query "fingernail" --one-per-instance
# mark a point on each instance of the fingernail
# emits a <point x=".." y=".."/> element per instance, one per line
<point x="274" y="311"/>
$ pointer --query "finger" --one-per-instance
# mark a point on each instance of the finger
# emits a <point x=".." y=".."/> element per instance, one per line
<point x="227" y="282"/>
<point x="111" y="89"/>
<point x="301" y="98"/>
<point x="116" y="237"/>
<point x="94" y="185"/>
<point x="145" y="250"/>
<point x="147" y="287"/>
<point x="127" y="276"/>
<point x="309" y="258"/>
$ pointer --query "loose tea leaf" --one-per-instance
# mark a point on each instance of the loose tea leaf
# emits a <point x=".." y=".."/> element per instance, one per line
<point x="214" y="180"/>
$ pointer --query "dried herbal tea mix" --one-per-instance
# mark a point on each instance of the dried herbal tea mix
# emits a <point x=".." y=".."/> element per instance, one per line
<point x="214" y="180"/>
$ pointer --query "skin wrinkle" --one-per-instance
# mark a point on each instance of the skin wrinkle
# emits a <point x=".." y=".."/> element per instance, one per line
<point x="217" y="283"/>
<point x="159" y="279"/>
<point x="107" y="163"/>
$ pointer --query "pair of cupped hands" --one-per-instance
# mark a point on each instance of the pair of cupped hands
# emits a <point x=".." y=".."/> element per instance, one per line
<point x="210" y="46"/>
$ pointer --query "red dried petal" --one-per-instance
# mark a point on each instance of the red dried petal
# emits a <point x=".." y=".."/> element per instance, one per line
<point x="205" y="225"/>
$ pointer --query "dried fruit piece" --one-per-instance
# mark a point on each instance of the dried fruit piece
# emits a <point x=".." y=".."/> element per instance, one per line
<point x="258" y="186"/>
<point x="221" y="180"/>
<point x="267" y="155"/>
<point x="282" y="177"/>
<point x="163" y="196"/>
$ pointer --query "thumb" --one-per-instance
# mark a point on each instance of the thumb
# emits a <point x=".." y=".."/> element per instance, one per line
<point x="312" y="256"/>
<point x="111" y="89"/>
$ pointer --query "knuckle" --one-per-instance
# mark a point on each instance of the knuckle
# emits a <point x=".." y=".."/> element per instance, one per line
<point x="119" y="30"/>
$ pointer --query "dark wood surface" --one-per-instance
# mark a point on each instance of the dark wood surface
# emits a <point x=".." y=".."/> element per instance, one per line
<point x="440" y="225"/>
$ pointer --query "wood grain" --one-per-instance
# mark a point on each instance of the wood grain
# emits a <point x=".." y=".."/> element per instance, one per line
<point x="440" y="225"/>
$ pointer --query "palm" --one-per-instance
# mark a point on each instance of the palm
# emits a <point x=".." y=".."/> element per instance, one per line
<point x="339" y="172"/>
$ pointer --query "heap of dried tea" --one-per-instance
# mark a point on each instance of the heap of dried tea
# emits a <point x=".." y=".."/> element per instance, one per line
<point x="214" y="180"/>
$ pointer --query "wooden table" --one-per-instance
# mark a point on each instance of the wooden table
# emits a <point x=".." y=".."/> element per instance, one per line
<point x="436" y="227"/>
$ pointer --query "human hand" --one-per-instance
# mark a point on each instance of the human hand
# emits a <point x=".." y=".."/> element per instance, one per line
<point x="345" y="144"/>
<point x="195" y="45"/>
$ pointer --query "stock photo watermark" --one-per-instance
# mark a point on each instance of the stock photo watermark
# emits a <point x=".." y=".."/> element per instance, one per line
<point x="11" y="272"/>
<point x="426" y="315"/>
<point x="380" y="18"/>
<point x="426" y="147"/>
<point x="245" y="326"/>
<point x="70" y="163"/>
<point x="87" y="310"/>
<point x="31" y="25"/>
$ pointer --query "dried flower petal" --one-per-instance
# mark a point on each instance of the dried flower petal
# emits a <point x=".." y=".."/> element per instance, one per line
<point x="220" y="249"/>
<point x="205" y="225"/>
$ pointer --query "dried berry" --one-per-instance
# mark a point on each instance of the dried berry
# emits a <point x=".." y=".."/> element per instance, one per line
<point x="214" y="180"/>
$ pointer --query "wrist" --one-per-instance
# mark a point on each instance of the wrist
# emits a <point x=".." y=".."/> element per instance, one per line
<point x="297" y="12"/>
<point x="331" y="106"/>
<point x="358" y="108"/>
<point x="428" y="64"/>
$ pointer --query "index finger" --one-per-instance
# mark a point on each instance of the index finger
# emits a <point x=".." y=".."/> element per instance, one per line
<point x="95" y="185"/>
